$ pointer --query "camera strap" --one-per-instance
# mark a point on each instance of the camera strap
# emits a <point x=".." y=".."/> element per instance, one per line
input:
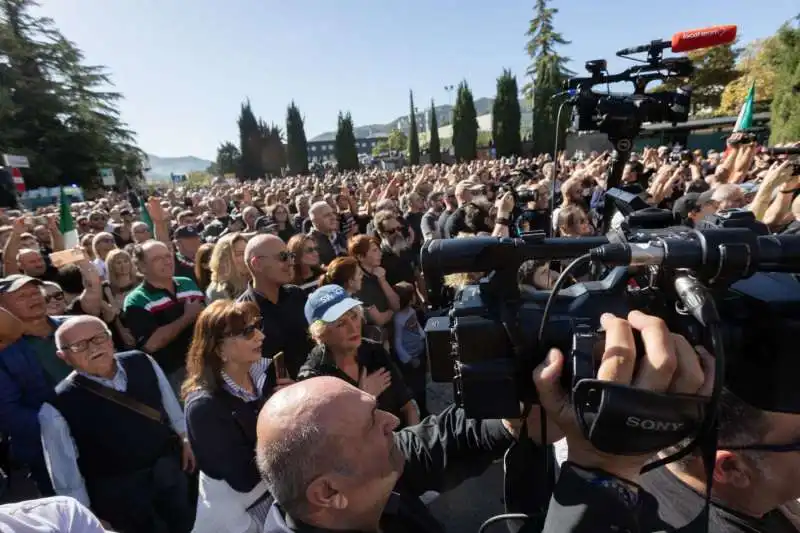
<point x="620" y="420"/>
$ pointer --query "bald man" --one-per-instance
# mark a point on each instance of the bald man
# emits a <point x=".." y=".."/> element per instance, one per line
<point x="333" y="461"/>
<point x="110" y="435"/>
<point x="283" y="320"/>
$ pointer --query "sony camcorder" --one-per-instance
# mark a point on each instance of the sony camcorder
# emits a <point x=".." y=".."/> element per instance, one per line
<point x="726" y="285"/>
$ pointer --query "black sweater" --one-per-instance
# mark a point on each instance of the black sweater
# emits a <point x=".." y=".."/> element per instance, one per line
<point x="222" y="433"/>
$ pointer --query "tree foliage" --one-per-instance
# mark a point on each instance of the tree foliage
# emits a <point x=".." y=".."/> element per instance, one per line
<point x="547" y="71"/>
<point x="398" y="140"/>
<point x="465" y="124"/>
<point x="296" y="143"/>
<point x="344" y="147"/>
<point x="506" y="116"/>
<point x="753" y="66"/>
<point x="434" y="146"/>
<point x="228" y="159"/>
<point x="785" y="59"/>
<point x="413" y="135"/>
<point x="56" y="110"/>
<point x="260" y="144"/>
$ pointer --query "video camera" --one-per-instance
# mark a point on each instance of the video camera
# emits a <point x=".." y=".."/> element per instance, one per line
<point x="704" y="283"/>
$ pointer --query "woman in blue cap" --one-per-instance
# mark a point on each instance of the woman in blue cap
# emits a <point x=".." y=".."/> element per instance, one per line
<point x="335" y="323"/>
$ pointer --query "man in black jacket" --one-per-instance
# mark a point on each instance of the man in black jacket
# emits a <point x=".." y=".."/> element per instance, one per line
<point x="332" y="459"/>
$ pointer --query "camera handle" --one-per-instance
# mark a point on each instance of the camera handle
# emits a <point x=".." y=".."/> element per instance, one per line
<point x="619" y="419"/>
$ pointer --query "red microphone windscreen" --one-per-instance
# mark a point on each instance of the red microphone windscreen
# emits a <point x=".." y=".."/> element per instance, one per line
<point x="685" y="41"/>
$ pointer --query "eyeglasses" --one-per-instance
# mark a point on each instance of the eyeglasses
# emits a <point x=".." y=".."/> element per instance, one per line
<point x="82" y="346"/>
<point x="247" y="332"/>
<point x="58" y="296"/>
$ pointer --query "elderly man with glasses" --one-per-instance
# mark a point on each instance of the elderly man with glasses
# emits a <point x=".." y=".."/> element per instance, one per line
<point x="114" y="436"/>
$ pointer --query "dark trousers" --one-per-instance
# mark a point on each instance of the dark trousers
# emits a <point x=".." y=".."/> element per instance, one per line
<point x="416" y="382"/>
<point x="155" y="500"/>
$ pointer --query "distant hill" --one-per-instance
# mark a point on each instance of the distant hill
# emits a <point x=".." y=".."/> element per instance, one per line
<point x="161" y="168"/>
<point x="443" y="112"/>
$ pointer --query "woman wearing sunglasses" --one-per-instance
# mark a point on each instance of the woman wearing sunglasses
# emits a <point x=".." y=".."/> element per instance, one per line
<point x="306" y="268"/>
<point x="227" y="383"/>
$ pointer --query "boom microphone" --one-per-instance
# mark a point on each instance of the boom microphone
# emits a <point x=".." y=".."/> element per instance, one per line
<point x="685" y="41"/>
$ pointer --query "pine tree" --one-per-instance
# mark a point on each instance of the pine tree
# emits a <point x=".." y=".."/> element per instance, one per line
<point x="249" y="144"/>
<point x="413" y="135"/>
<point x="434" y="146"/>
<point x="465" y="125"/>
<point x="506" y="116"/>
<point x="56" y="110"/>
<point x="548" y="72"/>
<point x="344" y="146"/>
<point x="785" y="111"/>
<point x="296" y="144"/>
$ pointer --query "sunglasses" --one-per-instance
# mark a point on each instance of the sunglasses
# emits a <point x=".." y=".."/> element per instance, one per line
<point x="391" y="231"/>
<point x="57" y="296"/>
<point x="247" y="332"/>
<point x="310" y="250"/>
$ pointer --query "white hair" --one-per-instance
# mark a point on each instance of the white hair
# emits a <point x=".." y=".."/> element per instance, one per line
<point x="74" y="321"/>
<point x="316" y="208"/>
<point x="317" y="328"/>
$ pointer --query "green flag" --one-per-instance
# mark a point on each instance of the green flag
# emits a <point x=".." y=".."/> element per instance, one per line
<point x="65" y="223"/>
<point x="745" y="119"/>
<point x="136" y="201"/>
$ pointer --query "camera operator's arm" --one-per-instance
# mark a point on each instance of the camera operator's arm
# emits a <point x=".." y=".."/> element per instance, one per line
<point x="597" y="491"/>
<point x="778" y="177"/>
<point x="444" y="450"/>
<point x="504" y="205"/>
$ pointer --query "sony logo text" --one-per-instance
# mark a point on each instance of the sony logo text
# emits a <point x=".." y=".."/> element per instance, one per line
<point x="652" y="425"/>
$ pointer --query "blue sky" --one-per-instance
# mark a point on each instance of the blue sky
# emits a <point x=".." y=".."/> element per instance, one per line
<point x="185" y="66"/>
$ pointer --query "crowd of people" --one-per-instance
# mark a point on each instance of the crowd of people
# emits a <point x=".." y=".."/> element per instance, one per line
<point x="251" y="356"/>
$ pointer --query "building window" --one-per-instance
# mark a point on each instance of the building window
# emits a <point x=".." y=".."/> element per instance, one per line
<point x="330" y="148"/>
<point x="313" y="147"/>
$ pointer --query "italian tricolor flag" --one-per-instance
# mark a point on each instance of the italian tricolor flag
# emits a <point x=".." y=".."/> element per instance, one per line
<point x="66" y="225"/>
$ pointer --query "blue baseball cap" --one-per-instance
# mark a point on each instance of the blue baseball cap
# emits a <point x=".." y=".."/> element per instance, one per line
<point x="328" y="304"/>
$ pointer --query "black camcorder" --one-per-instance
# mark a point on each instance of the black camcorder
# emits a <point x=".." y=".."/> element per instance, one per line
<point x="708" y="284"/>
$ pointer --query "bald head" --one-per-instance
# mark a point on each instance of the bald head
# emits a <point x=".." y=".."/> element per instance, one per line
<point x="263" y="244"/>
<point x="302" y="430"/>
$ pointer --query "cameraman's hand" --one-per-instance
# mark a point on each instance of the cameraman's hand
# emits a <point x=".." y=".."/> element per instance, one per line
<point x="669" y="364"/>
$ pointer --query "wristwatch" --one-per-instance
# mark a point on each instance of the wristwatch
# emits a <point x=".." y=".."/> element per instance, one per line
<point x="502" y="221"/>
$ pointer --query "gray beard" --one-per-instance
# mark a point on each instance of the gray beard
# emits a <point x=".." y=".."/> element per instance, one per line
<point x="398" y="246"/>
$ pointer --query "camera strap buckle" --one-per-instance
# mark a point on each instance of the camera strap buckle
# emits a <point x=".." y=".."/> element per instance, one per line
<point x="621" y="420"/>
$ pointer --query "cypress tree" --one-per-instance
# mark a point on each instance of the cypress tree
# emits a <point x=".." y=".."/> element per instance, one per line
<point x="506" y="116"/>
<point x="296" y="144"/>
<point x="413" y="135"/>
<point x="465" y="125"/>
<point x="345" y="144"/>
<point x="548" y="71"/>
<point x="250" y="143"/>
<point x="434" y="146"/>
